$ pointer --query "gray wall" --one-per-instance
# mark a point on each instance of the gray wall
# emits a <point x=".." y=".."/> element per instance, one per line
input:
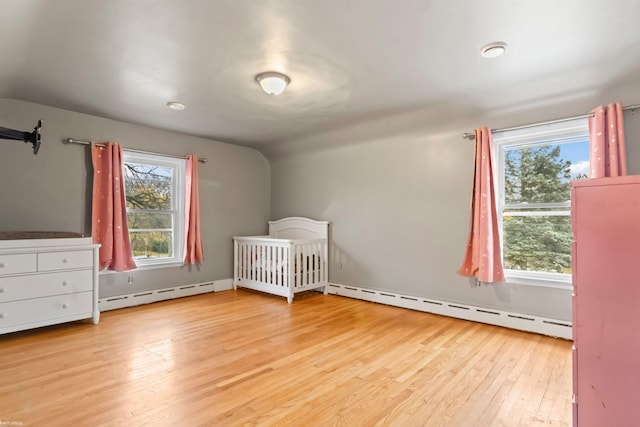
<point x="52" y="191"/>
<point x="397" y="192"/>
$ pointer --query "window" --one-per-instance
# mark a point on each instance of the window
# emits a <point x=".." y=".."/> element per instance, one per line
<point x="534" y="169"/>
<point x="154" y="187"/>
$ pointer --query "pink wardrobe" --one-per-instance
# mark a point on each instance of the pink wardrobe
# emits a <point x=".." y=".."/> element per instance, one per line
<point x="606" y="301"/>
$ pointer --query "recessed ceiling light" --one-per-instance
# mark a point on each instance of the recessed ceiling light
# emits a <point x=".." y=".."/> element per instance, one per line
<point x="273" y="82"/>
<point x="493" y="50"/>
<point x="178" y="106"/>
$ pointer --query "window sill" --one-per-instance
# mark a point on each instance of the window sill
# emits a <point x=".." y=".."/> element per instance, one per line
<point x="146" y="267"/>
<point x="539" y="282"/>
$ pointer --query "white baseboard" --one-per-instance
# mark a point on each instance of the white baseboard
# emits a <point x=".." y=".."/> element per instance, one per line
<point x="223" y="285"/>
<point x="146" y="297"/>
<point x="524" y="322"/>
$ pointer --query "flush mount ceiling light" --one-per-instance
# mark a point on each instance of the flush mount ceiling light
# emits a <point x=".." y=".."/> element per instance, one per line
<point x="178" y="106"/>
<point x="273" y="82"/>
<point x="493" y="50"/>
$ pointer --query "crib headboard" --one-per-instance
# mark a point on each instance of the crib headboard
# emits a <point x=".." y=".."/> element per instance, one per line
<point x="298" y="228"/>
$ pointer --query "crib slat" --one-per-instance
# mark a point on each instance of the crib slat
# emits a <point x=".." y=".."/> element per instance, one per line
<point x="314" y="263"/>
<point x="269" y="265"/>
<point x="280" y="266"/>
<point x="254" y="264"/>
<point x="296" y="267"/>
<point x="240" y="260"/>
<point x="295" y="280"/>
<point x="319" y="262"/>
<point x="305" y="265"/>
<point x="315" y="259"/>
<point x="323" y="263"/>
<point x="243" y="263"/>
<point x="284" y="270"/>
<point x="265" y="264"/>
<point x="288" y="280"/>
<point x="247" y="264"/>
<point x="261" y="271"/>
<point x="272" y="264"/>
<point x="276" y="265"/>
<point x="304" y="260"/>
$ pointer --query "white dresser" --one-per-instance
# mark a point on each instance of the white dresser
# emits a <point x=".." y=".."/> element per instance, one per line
<point x="47" y="281"/>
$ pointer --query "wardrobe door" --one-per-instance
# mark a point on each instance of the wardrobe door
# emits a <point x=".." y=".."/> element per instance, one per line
<point x="606" y="223"/>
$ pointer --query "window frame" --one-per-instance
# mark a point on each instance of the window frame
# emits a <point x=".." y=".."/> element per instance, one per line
<point x="564" y="132"/>
<point x="178" y="165"/>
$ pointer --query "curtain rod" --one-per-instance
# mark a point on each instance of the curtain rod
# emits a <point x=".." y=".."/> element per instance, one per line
<point x="472" y="136"/>
<point x="81" y="142"/>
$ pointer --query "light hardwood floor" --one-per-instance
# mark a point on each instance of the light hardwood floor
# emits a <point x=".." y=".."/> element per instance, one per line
<point x="243" y="358"/>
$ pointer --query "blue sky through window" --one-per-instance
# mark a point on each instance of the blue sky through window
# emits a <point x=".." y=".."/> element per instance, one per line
<point x="578" y="154"/>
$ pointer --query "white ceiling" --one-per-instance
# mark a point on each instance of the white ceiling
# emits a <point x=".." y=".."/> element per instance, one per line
<point x="349" y="60"/>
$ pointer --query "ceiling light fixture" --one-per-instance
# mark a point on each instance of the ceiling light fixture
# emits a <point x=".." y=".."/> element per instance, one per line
<point x="493" y="50"/>
<point x="273" y="82"/>
<point x="177" y="106"/>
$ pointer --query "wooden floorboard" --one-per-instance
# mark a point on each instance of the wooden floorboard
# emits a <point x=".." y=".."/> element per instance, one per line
<point x="239" y="358"/>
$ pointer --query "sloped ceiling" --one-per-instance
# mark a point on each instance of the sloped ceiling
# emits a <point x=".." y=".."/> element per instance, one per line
<point x="349" y="60"/>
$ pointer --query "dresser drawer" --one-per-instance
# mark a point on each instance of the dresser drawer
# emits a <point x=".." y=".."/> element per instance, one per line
<point x="48" y="308"/>
<point x="51" y="261"/>
<point x="43" y="285"/>
<point x="18" y="263"/>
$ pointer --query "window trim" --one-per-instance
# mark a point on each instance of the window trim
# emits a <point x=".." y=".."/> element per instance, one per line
<point x="178" y="205"/>
<point x="537" y="136"/>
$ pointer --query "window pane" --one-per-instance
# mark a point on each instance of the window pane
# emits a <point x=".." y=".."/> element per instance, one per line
<point x="537" y="243"/>
<point x="541" y="174"/>
<point x="151" y="244"/>
<point x="578" y="154"/>
<point x="154" y="190"/>
<point x="148" y="186"/>
<point x="149" y="220"/>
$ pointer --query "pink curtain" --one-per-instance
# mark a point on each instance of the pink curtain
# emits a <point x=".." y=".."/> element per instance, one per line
<point x="483" y="258"/>
<point x="193" y="243"/>
<point x="608" y="152"/>
<point x="108" y="214"/>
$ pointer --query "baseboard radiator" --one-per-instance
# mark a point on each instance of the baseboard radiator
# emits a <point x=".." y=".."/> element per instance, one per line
<point x="147" y="297"/>
<point x="524" y="322"/>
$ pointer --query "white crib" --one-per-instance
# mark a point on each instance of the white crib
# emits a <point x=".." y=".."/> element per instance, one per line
<point x="291" y="259"/>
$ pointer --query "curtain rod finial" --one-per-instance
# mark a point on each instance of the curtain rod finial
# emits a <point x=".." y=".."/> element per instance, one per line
<point x="470" y="136"/>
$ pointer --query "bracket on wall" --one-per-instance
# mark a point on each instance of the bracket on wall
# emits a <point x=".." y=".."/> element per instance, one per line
<point x="16" y="135"/>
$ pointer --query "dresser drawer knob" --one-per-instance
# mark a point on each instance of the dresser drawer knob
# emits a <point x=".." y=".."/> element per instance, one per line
<point x="64" y="305"/>
<point x="64" y="283"/>
<point x="64" y="260"/>
<point x="1" y="264"/>
<point x="1" y="315"/>
<point x="1" y="290"/>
